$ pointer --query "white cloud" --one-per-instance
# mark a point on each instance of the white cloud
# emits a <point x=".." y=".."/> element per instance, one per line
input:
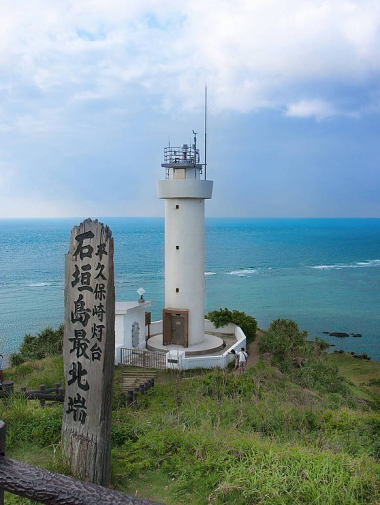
<point x="311" y="108"/>
<point x="253" y="54"/>
<point x="91" y="84"/>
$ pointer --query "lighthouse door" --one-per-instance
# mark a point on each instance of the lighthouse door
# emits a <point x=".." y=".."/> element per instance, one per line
<point x="178" y="329"/>
<point x="175" y="327"/>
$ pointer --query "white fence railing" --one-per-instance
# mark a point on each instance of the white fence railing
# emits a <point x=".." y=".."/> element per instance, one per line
<point x="143" y="358"/>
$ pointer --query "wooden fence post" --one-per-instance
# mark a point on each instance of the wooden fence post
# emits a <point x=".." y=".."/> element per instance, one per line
<point x="42" y="390"/>
<point x="136" y="391"/>
<point x="2" y="453"/>
<point x="130" y="397"/>
<point x="8" y="386"/>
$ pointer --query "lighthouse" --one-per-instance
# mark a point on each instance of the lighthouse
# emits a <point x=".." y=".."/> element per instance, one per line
<point x="184" y="189"/>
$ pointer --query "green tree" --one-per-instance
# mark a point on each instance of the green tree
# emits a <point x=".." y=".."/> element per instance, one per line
<point x="222" y="317"/>
<point x="285" y="341"/>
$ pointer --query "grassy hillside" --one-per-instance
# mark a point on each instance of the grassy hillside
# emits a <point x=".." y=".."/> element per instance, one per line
<point x="266" y="436"/>
<point x="363" y="374"/>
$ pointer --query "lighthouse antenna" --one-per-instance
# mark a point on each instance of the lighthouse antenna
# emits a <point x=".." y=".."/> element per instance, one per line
<point x="205" y="130"/>
<point x="195" y="146"/>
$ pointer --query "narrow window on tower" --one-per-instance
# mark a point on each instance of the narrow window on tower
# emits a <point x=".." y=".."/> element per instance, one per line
<point x="177" y="290"/>
<point x="177" y="247"/>
<point x="177" y="206"/>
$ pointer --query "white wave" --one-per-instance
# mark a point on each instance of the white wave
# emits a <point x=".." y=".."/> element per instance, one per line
<point x="369" y="263"/>
<point x="324" y="267"/>
<point x="243" y="272"/>
<point x="358" y="264"/>
<point x="39" y="284"/>
<point x="210" y="273"/>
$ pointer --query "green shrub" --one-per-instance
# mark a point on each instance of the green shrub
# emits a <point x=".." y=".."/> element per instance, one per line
<point x="222" y="317"/>
<point x="316" y="374"/>
<point x="47" y="343"/>
<point x="321" y="344"/>
<point x="285" y="341"/>
<point x="28" y="423"/>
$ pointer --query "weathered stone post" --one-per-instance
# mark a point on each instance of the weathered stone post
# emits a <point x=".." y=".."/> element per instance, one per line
<point x="88" y="351"/>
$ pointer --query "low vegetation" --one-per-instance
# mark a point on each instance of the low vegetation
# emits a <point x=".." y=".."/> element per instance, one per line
<point x="222" y="317"/>
<point x="47" y="343"/>
<point x="300" y="427"/>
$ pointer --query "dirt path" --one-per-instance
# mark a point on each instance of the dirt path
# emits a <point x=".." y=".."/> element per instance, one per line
<point x="253" y="351"/>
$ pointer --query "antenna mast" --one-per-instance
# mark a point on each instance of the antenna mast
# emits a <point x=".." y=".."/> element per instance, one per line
<point x="206" y="132"/>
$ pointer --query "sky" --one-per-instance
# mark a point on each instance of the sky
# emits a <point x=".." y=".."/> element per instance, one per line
<point x="91" y="91"/>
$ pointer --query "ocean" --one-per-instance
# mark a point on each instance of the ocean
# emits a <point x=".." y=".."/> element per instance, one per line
<point x="323" y="273"/>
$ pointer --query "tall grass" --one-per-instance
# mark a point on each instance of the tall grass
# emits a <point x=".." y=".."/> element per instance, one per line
<point x="261" y="437"/>
<point x="229" y="439"/>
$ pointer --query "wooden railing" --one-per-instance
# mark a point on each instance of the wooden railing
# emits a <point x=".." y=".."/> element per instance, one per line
<point x="56" y="394"/>
<point x="136" y="383"/>
<point x="143" y="358"/>
<point x="132" y="386"/>
<point x="51" y="488"/>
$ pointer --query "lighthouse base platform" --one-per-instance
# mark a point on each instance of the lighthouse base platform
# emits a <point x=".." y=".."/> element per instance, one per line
<point x="211" y="344"/>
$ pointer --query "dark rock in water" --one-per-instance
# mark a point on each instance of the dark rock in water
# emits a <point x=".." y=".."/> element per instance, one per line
<point x="325" y="332"/>
<point x="357" y="335"/>
<point x="338" y="334"/>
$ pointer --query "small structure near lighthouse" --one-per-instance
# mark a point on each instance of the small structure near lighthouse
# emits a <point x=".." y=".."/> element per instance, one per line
<point x="184" y="190"/>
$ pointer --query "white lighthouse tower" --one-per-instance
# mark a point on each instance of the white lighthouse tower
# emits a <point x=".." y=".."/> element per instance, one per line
<point x="184" y="191"/>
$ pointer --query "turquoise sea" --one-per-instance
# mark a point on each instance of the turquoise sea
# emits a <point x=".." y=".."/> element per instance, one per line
<point x="323" y="273"/>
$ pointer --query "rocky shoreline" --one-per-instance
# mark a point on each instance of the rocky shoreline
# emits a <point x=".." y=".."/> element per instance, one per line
<point x="341" y="334"/>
